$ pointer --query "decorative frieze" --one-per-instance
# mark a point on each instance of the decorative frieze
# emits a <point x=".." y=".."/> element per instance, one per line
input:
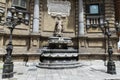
<point x="58" y="8"/>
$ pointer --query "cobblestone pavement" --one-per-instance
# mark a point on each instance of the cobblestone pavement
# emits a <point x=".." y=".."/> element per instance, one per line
<point x="90" y="70"/>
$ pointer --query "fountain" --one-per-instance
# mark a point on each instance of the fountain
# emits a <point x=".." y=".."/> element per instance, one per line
<point x="60" y="52"/>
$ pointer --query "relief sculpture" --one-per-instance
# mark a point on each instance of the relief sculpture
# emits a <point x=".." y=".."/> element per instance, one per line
<point x="59" y="10"/>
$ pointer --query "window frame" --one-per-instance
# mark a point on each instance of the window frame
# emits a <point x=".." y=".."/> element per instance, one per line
<point x="19" y="4"/>
<point x="88" y="9"/>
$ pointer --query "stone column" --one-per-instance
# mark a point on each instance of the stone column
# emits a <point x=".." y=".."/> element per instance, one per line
<point x="36" y="17"/>
<point x="81" y="18"/>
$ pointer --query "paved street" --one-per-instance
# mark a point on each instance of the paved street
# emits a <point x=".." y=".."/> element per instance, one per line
<point x="90" y="70"/>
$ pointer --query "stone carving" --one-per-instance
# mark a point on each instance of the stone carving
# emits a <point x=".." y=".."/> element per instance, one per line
<point x="60" y="51"/>
<point x="58" y="26"/>
<point x="58" y="8"/>
<point x="58" y="54"/>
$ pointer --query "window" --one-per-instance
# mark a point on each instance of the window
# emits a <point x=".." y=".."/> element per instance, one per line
<point x="94" y="9"/>
<point x="19" y="3"/>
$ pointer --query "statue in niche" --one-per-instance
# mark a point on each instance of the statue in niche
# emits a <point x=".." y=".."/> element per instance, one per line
<point x="58" y="9"/>
<point x="58" y="27"/>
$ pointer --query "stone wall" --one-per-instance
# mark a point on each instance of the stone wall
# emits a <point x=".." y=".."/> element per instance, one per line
<point x="93" y="41"/>
<point x="48" y="22"/>
<point x="25" y="40"/>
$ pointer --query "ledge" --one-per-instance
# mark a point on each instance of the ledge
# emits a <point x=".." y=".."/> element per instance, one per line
<point x="34" y="34"/>
<point x="82" y="56"/>
<point x="29" y="53"/>
<point x="98" y="54"/>
<point x="95" y="36"/>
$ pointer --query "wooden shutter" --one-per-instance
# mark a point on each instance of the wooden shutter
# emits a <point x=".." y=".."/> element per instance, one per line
<point x="15" y="2"/>
<point x="87" y="8"/>
<point x="117" y="10"/>
<point x="23" y="3"/>
<point x="19" y="3"/>
<point x="102" y="9"/>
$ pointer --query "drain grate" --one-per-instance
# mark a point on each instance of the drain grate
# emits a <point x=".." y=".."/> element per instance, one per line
<point x="19" y="73"/>
<point x="33" y="69"/>
<point x="13" y="79"/>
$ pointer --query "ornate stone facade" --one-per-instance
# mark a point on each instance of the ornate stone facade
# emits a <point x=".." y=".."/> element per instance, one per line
<point x="27" y="39"/>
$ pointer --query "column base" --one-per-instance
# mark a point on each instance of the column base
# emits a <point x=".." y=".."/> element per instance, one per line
<point x="111" y="69"/>
<point x="7" y="70"/>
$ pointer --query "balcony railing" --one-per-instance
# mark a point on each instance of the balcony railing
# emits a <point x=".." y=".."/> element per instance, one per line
<point x="94" y="21"/>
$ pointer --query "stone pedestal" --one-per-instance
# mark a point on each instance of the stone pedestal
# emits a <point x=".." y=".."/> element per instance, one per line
<point x="8" y="70"/>
<point x="59" y="54"/>
<point x="111" y="69"/>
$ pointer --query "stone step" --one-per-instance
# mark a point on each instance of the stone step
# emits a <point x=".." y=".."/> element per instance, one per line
<point x="59" y="50"/>
<point x="59" y="54"/>
<point x="59" y="65"/>
<point x="59" y="40"/>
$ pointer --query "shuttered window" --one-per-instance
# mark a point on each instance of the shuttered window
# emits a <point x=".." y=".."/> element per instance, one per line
<point x="19" y="3"/>
<point x="94" y="14"/>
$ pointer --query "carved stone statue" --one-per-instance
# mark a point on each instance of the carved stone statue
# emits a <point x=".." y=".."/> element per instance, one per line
<point x="58" y="26"/>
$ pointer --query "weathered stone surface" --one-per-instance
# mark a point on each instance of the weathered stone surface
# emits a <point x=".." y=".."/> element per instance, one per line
<point x="92" y="70"/>
<point x="47" y="23"/>
<point x="57" y="52"/>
